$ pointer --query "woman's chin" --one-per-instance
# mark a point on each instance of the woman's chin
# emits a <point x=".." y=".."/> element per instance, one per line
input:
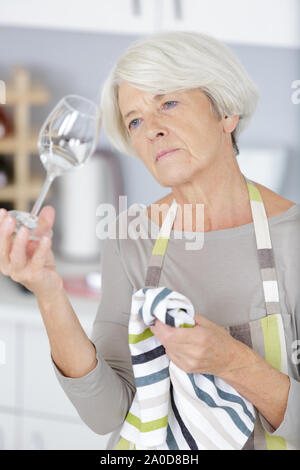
<point x="173" y="178"/>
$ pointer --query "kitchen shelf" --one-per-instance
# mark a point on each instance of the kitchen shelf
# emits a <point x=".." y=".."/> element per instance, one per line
<point x="35" y="95"/>
<point x="12" y="191"/>
<point x="11" y="143"/>
<point x="21" y="94"/>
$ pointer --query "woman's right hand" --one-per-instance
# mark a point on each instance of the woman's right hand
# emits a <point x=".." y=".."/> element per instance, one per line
<point x="29" y="262"/>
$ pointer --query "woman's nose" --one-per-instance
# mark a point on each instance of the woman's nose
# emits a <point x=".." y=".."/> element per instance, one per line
<point x="154" y="129"/>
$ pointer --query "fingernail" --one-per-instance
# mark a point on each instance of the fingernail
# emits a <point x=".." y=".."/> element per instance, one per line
<point x="22" y="231"/>
<point x="8" y="222"/>
<point x="2" y="213"/>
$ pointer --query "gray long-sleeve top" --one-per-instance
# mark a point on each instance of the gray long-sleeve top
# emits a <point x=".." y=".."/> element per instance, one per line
<point x="222" y="279"/>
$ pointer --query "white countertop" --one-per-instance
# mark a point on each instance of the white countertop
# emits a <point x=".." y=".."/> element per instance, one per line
<point x="16" y="305"/>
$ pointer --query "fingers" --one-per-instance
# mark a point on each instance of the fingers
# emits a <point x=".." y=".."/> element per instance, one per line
<point x="18" y="256"/>
<point x="202" y="321"/>
<point x="31" y="247"/>
<point x="47" y="216"/>
<point x="3" y="213"/>
<point x="7" y="227"/>
<point x="45" y="222"/>
<point x="14" y="247"/>
<point x="164" y="333"/>
<point x="41" y="255"/>
<point x="167" y="334"/>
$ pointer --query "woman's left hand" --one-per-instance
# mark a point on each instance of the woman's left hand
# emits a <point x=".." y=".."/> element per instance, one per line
<point x="207" y="348"/>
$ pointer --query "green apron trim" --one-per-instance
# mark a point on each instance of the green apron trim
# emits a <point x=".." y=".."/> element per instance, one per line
<point x="123" y="444"/>
<point x="254" y="193"/>
<point x="149" y="426"/>
<point x="160" y="246"/>
<point x="272" y="344"/>
<point x="271" y="340"/>
<point x="134" y="339"/>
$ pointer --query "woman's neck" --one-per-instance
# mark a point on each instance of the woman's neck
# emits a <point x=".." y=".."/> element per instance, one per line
<point x="203" y="218"/>
<point x="210" y="203"/>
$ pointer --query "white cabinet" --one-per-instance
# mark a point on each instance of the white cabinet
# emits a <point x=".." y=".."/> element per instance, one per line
<point x="35" y="413"/>
<point x="47" y="434"/>
<point x="7" y="431"/>
<point x="39" y="376"/>
<point x="267" y="22"/>
<point x="8" y="371"/>
<point x="122" y="16"/>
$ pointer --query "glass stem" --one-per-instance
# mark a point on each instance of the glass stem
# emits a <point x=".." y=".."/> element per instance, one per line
<point x="38" y="204"/>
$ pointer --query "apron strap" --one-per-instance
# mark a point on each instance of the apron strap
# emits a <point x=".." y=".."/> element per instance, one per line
<point x="160" y="248"/>
<point x="265" y="252"/>
<point x="263" y="241"/>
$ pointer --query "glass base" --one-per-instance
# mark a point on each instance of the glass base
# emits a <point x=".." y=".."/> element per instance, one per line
<point x="36" y="226"/>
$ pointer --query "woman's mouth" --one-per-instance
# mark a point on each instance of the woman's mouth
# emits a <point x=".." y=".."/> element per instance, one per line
<point x="164" y="154"/>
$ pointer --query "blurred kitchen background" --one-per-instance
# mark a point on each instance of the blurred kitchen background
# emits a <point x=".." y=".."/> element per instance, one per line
<point x="53" y="48"/>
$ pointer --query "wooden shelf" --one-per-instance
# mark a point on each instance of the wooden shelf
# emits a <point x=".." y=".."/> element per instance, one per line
<point x="12" y="143"/>
<point x="11" y="191"/>
<point x="21" y="93"/>
<point x="36" y="95"/>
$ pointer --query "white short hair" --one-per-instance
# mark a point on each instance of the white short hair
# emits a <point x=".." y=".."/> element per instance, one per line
<point x="176" y="61"/>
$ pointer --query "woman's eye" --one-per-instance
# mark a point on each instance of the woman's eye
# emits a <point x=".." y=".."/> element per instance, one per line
<point x="132" y="123"/>
<point x="170" y="104"/>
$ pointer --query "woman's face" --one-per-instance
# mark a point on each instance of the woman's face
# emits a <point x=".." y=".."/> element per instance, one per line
<point x="182" y="122"/>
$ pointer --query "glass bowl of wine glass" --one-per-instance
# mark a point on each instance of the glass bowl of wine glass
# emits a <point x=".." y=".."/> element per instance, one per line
<point x="66" y="141"/>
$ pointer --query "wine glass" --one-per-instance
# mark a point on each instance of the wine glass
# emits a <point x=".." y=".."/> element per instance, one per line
<point x="66" y="140"/>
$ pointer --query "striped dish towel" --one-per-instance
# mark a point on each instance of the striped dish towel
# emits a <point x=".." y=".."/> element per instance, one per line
<point x="173" y="409"/>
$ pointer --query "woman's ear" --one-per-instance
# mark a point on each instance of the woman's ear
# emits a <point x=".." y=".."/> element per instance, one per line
<point x="230" y="123"/>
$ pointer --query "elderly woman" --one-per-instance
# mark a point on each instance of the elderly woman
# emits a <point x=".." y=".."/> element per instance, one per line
<point x="178" y="101"/>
